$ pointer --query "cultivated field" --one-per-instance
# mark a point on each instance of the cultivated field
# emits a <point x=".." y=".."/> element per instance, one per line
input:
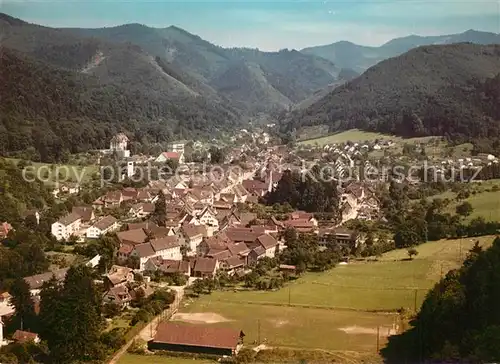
<point x="358" y="136"/>
<point x="50" y="173"/>
<point x="353" y="135"/>
<point x="341" y="309"/>
<point x="486" y="204"/>
<point x="298" y="327"/>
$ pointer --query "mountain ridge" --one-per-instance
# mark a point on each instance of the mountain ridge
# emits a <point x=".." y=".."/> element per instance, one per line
<point x="430" y="90"/>
<point x="363" y="57"/>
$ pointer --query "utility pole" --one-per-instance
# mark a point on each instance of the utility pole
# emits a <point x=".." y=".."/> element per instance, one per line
<point x="258" y="331"/>
<point x="460" y="249"/>
<point x="415" y="303"/>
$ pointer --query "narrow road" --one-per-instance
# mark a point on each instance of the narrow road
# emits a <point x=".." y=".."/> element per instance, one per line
<point x="149" y="330"/>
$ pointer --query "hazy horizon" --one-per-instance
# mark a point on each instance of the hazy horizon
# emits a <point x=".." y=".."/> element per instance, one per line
<point x="271" y="26"/>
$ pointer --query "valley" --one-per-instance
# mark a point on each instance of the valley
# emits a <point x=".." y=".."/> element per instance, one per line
<point x="199" y="193"/>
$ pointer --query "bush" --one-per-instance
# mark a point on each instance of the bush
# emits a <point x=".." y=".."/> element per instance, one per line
<point x="115" y="338"/>
<point x="111" y="309"/>
<point x="167" y="297"/>
<point x="138" y="347"/>
<point x="141" y="316"/>
<point x="246" y="355"/>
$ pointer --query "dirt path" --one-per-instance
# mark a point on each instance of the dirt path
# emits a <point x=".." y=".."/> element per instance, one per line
<point x="149" y="330"/>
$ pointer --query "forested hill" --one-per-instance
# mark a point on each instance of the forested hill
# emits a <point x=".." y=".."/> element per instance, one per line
<point x="447" y="90"/>
<point x="55" y="110"/>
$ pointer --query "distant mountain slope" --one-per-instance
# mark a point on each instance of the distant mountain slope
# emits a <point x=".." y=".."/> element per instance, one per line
<point x="359" y="58"/>
<point x="431" y="90"/>
<point x="245" y="84"/>
<point x="293" y="74"/>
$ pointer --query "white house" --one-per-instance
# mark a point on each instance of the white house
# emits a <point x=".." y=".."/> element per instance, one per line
<point x="166" y="248"/>
<point x="118" y="144"/>
<point x="193" y="237"/>
<point x="165" y="156"/>
<point x="177" y="146"/>
<point x="66" y="226"/>
<point x="208" y="217"/>
<point x="103" y="226"/>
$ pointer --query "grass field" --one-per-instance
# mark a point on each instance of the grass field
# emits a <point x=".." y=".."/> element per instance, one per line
<point x="333" y="310"/>
<point x="357" y="136"/>
<point x="50" y="173"/>
<point x="299" y="327"/>
<point x="353" y="135"/>
<point x="157" y="359"/>
<point x="486" y="204"/>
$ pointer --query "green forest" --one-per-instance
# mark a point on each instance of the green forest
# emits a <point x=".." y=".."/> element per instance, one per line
<point x="459" y="320"/>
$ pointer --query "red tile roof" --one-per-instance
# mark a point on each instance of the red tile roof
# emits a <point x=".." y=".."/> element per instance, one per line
<point x="205" y="336"/>
<point x="5" y="227"/>
<point x="205" y="265"/>
<point x="171" y="155"/>
<point x="267" y="241"/>
<point x="24" y="336"/>
<point x="136" y="236"/>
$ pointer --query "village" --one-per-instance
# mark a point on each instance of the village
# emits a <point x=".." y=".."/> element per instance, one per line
<point x="209" y="219"/>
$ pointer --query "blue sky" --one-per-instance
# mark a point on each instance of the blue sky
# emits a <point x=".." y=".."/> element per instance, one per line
<point x="271" y="25"/>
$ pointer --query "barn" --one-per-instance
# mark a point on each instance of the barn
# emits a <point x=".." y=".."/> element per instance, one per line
<point x="196" y="339"/>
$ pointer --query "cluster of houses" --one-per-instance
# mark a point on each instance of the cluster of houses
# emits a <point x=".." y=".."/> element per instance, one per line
<point x="358" y="201"/>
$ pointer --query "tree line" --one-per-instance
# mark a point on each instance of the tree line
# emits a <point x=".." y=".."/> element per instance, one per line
<point x="459" y="320"/>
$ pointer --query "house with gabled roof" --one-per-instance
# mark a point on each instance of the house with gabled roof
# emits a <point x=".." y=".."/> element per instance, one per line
<point x="217" y="242"/>
<point x="66" y="226"/>
<point x="5" y="228"/>
<point x="132" y="237"/>
<point x="233" y="264"/>
<point x="205" y="267"/>
<point x="85" y="212"/>
<point x="255" y="187"/>
<point x="165" y="248"/>
<point x="177" y="183"/>
<point x="118" y="275"/>
<point x="129" y="193"/>
<point x="113" y="199"/>
<point x="301" y="225"/>
<point x="208" y="217"/>
<point x="168" y="266"/>
<point x="36" y="282"/>
<point x="240" y="192"/>
<point x="103" y="226"/>
<point x="264" y="246"/>
<point x="165" y="156"/>
<point x="193" y="235"/>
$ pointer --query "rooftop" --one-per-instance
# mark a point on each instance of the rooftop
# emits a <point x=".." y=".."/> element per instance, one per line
<point x="205" y="336"/>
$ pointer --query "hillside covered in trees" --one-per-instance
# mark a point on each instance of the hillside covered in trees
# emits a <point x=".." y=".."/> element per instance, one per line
<point x="449" y="90"/>
<point x="459" y="320"/>
<point x="56" y="110"/>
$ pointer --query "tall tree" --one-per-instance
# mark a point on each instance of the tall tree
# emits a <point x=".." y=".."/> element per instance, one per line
<point x="73" y="330"/>
<point x="160" y="212"/>
<point x="464" y="209"/>
<point x="22" y="301"/>
<point x="459" y="320"/>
